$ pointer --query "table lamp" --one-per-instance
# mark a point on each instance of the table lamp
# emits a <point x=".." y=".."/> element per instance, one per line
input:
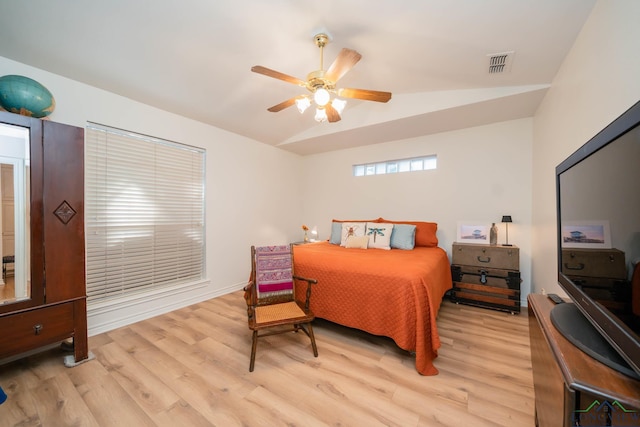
<point x="507" y="219"/>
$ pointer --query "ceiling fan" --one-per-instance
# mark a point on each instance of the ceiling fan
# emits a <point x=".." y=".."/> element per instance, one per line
<point x="322" y="83"/>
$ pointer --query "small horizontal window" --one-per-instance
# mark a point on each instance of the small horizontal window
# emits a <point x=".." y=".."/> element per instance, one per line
<point x="414" y="164"/>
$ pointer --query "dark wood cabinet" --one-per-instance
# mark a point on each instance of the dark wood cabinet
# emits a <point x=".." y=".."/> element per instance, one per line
<point x="55" y="308"/>
<point x="487" y="276"/>
<point x="571" y="388"/>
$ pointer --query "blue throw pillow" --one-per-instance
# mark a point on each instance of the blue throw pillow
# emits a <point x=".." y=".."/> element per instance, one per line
<point x="403" y="236"/>
<point x="336" y="233"/>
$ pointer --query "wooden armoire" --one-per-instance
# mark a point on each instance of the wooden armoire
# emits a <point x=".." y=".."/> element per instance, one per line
<point x="54" y="308"/>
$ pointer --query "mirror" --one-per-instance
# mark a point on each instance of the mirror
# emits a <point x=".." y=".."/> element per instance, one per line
<point x="15" y="280"/>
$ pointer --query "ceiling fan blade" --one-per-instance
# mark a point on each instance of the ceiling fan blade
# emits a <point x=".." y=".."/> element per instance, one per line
<point x="345" y="61"/>
<point x="279" y="107"/>
<point x="367" y="95"/>
<point x="277" y="75"/>
<point x="332" y="115"/>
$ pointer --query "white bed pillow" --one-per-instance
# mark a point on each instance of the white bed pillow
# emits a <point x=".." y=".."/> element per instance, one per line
<point x="355" y="229"/>
<point x="379" y="234"/>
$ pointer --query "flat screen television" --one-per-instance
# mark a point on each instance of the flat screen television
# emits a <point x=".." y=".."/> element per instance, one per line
<point x="598" y="212"/>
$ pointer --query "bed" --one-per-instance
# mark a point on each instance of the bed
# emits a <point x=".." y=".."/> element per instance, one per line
<point x="395" y="293"/>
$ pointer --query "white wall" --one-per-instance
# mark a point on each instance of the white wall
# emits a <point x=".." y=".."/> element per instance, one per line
<point x="249" y="189"/>
<point x="597" y="82"/>
<point x="483" y="173"/>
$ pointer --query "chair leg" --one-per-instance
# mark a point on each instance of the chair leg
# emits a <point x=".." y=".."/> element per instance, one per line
<point x="313" y="340"/>
<point x="253" y="351"/>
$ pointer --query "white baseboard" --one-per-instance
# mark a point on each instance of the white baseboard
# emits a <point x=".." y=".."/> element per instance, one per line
<point x="106" y="316"/>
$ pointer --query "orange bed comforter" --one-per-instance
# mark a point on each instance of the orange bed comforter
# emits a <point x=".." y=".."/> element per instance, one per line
<point x="394" y="293"/>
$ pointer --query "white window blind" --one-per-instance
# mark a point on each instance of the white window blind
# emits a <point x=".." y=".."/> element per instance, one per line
<point x="144" y="208"/>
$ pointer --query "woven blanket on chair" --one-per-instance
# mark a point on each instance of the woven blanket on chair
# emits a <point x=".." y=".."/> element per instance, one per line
<point x="273" y="271"/>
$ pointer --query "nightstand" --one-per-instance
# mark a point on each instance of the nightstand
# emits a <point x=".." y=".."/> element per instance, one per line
<point x="486" y="276"/>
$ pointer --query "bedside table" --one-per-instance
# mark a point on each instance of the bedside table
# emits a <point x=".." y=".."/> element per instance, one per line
<point x="486" y="276"/>
<point x="302" y="242"/>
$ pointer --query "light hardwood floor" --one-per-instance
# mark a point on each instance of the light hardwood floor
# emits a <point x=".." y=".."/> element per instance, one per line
<point x="190" y="368"/>
<point x="7" y="289"/>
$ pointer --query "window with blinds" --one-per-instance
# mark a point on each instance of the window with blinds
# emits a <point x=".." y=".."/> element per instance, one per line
<point x="144" y="208"/>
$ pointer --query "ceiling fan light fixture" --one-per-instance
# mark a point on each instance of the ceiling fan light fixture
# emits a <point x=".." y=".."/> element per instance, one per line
<point x="339" y="105"/>
<point x="321" y="115"/>
<point x="322" y="83"/>
<point x="321" y="96"/>
<point x="302" y="103"/>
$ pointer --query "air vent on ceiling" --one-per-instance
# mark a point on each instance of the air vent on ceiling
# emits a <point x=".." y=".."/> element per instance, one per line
<point x="500" y="62"/>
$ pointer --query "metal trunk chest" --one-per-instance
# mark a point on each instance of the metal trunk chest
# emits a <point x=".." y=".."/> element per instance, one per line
<point x="486" y="276"/>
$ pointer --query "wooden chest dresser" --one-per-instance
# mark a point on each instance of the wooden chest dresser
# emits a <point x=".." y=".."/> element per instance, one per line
<point x="486" y="276"/>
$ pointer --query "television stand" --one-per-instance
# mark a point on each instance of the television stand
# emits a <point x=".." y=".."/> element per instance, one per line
<point x="571" y="323"/>
<point x="571" y="386"/>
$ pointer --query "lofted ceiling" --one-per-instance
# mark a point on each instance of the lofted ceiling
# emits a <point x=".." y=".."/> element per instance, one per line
<point x="193" y="58"/>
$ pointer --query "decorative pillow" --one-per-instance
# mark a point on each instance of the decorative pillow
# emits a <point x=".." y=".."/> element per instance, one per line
<point x="351" y="229"/>
<point x="403" y="236"/>
<point x="336" y="228"/>
<point x="336" y="233"/>
<point x="379" y="235"/>
<point x="425" y="232"/>
<point x="360" y="242"/>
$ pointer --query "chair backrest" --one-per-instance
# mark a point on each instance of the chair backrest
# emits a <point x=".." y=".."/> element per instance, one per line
<point x="273" y="274"/>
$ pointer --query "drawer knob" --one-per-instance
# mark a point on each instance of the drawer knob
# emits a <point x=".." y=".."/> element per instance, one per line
<point x="37" y="329"/>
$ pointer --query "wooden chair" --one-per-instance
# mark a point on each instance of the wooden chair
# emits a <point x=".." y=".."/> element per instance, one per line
<point x="8" y="259"/>
<point x="270" y="295"/>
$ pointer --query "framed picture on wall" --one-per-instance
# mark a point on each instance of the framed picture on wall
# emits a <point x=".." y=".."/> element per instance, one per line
<point x="473" y="232"/>
<point x="586" y="234"/>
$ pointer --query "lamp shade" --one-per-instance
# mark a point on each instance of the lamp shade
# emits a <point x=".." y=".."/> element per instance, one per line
<point x="321" y="115"/>
<point x="507" y="219"/>
<point x="302" y="103"/>
<point x="338" y="104"/>
<point x="321" y="96"/>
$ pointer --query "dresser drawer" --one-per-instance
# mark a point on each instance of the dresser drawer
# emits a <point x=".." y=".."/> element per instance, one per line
<point x="26" y="330"/>
<point x="485" y="256"/>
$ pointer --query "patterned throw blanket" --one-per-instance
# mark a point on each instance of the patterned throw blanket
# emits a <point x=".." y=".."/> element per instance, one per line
<point x="273" y="271"/>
